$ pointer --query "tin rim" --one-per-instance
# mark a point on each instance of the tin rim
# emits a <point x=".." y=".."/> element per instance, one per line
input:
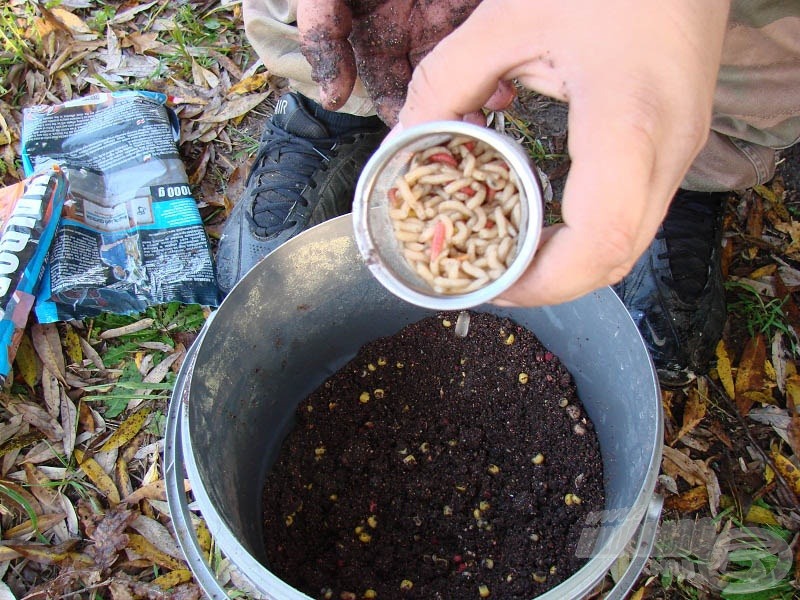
<point x="372" y="252"/>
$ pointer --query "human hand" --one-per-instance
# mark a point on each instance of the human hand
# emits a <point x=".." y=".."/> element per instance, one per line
<point x="639" y="79"/>
<point x="380" y="41"/>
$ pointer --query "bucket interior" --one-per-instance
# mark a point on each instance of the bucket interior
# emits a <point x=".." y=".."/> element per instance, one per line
<point x="303" y="312"/>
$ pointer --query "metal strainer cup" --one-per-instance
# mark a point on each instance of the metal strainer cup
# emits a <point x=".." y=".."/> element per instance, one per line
<point x="374" y="231"/>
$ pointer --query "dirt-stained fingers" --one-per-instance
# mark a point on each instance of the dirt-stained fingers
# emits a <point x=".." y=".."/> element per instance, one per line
<point x="324" y="27"/>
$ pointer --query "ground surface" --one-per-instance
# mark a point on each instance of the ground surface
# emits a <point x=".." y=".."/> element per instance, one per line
<point x="416" y="463"/>
<point x="83" y="515"/>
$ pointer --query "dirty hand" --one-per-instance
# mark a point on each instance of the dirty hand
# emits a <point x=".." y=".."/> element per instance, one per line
<point x="639" y="78"/>
<point x="381" y="41"/>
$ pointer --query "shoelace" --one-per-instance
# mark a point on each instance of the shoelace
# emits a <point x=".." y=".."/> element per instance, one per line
<point x="690" y="233"/>
<point x="285" y="165"/>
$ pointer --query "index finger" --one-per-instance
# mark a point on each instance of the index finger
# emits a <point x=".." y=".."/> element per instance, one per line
<point x="324" y="27"/>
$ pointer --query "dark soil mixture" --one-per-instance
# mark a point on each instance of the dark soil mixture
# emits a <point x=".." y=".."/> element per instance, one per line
<point x="436" y="466"/>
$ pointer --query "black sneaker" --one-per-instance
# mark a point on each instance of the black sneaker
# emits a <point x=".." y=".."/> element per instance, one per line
<point x="305" y="172"/>
<point x="675" y="292"/>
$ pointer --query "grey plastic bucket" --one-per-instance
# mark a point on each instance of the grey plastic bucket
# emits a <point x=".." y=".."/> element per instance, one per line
<point x="303" y="312"/>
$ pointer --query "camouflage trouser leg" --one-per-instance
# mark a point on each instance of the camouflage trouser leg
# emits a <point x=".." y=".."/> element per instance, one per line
<point x="757" y="100"/>
<point x="270" y="29"/>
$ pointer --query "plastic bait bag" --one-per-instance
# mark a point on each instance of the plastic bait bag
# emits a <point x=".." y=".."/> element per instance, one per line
<point x="29" y="212"/>
<point x="130" y="235"/>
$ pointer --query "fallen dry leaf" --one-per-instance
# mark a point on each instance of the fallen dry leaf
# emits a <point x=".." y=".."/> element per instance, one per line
<point x="724" y="369"/>
<point x="142" y="41"/>
<point x="158" y="535"/>
<point x="234" y="108"/>
<point x="28" y="364"/>
<point x="788" y="470"/>
<point x="693" y="413"/>
<point x="250" y="84"/>
<point x="121" y="470"/>
<point x="98" y="477"/>
<point x="173" y="579"/>
<point x="750" y="375"/>
<point x="20" y="441"/>
<point x="109" y="536"/>
<point x="41" y="487"/>
<point x="143" y="547"/>
<point x="47" y="343"/>
<point x="793" y="405"/>
<point x="69" y="423"/>
<point x="47" y="554"/>
<point x="127" y="430"/>
<point x="68" y="20"/>
<point x="43" y="524"/>
<point x="41" y="420"/>
<point x="127" y="329"/>
<point x="694" y="472"/>
<point x="93" y="355"/>
<point x="72" y="345"/>
<point x="51" y="390"/>
<point x="689" y="501"/>
<point x="761" y="516"/>
<point x="152" y="491"/>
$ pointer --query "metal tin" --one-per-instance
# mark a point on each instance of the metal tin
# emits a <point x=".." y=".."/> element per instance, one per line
<point x="374" y="232"/>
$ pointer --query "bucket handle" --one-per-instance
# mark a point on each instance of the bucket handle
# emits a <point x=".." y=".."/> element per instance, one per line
<point x="179" y="507"/>
<point x="646" y="538"/>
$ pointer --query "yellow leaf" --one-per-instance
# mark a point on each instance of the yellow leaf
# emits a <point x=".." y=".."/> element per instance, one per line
<point x="772" y="374"/>
<point x="250" y="84"/>
<point x="793" y="390"/>
<point x="765" y="193"/>
<point x="787" y="469"/>
<point x="127" y="430"/>
<point x="759" y="396"/>
<point x="72" y="345"/>
<point x="173" y="578"/>
<point x="204" y="538"/>
<point x="98" y="477"/>
<point x="769" y="474"/>
<point x="141" y="546"/>
<point x="21" y="441"/>
<point x="724" y="369"/>
<point x="761" y="516"/>
<point x="123" y="477"/>
<point x="27" y="362"/>
<point x="638" y="594"/>
<point x="764" y="271"/>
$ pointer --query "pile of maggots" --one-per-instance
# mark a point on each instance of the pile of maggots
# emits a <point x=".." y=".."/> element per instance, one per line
<point x="456" y="212"/>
